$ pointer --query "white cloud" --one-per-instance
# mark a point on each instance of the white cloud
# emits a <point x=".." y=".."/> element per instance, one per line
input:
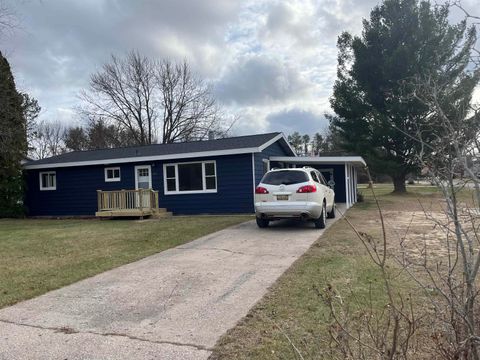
<point x="260" y="80"/>
<point x="272" y="62"/>
<point x="303" y="121"/>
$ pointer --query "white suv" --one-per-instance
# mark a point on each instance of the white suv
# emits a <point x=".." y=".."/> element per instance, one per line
<point x="294" y="193"/>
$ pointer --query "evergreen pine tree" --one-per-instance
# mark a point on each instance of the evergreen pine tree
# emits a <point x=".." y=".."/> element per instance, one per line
<point x="13" y="144"/>
<point x="402" y="40"/>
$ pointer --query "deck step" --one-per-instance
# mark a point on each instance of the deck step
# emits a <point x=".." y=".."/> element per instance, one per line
<point x="125" y="213"/>
<point x="153" y="213"/>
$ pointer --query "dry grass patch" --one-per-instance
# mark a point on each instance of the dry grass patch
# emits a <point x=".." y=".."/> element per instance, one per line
<point x="293" y="311"/>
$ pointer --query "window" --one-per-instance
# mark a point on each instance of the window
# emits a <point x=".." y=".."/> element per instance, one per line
<point x="210" y="176"/>
<point x="322" y="179"/>
<point x="112" y="174"/>
<point x="314" y="176"/>
<point x="285" y="177"/>
<point x="266" y="166"/>
<point x="48" y="180"/>
<point x="194" y="177"/>
<point x="170" y="178"/>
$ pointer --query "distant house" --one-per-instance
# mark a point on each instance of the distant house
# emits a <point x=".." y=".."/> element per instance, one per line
<point x="201" y="177"/>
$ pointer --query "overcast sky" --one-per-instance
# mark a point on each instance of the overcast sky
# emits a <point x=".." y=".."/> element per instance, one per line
<point x="273" y="63"/>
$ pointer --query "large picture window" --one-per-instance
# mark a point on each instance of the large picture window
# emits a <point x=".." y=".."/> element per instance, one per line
<point x="48" y="180"/>
<point x="188" y="178"/>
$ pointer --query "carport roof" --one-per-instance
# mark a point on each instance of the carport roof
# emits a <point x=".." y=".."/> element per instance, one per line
<point x="311" y="160"/>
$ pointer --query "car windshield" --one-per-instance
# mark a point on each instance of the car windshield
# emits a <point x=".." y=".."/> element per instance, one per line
<point x="286" y="177"/>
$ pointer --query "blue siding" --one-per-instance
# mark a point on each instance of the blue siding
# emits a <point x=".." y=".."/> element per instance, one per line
<point x="234" y="189"/>
<point x="76" y="192"/>
<point x="273" y="150"/>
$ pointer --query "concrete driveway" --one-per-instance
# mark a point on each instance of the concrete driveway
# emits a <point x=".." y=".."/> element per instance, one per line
<point x="173" y="305"/>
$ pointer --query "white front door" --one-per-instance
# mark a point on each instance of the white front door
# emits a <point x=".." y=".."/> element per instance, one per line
<point x="143" y="180"/>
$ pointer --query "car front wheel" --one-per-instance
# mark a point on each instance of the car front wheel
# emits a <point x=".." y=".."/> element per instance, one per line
<point x="262" y="223"/>
<point x="322" y="220"/>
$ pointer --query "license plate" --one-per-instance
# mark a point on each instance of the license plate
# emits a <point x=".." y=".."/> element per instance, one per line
<point x="282" y="197"/>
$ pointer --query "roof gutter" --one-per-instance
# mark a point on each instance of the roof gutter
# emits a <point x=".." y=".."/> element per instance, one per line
<point x="355" y="160"/>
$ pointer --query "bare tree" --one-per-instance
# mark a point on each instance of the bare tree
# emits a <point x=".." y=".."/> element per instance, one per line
<point x="154" y="99"/>
<point x="189" y="108"/>
<point x="123" y="93"/>
<point x="48" y="140"/>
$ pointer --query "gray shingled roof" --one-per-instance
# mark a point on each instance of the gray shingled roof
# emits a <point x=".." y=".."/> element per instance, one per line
<point x="239" y="142"/>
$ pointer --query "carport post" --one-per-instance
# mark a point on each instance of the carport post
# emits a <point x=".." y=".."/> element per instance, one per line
<point x="347" y="192"/>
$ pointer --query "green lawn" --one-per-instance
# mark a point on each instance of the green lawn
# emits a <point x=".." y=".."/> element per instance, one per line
<point x="293" y="307"/>
<point x="41" y="255"/>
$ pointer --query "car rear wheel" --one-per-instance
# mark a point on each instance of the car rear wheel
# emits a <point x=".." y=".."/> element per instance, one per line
<point x="322" y="220"/>
<point x="262" y="223"/>
<point x="331" y="214"/>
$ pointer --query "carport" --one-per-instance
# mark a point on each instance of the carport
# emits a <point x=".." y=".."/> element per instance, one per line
<point x="339" y="171"/>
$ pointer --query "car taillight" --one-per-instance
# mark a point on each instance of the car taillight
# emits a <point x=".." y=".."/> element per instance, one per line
<point x="261" y="190"/>
<point x="307" y="189"/>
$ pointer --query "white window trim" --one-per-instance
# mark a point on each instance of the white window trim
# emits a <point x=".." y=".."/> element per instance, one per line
<point x="47" y="188"/>
<point x="113" y="179"/>
<point x="204" y="185"/>
<point x="149" y="173"/>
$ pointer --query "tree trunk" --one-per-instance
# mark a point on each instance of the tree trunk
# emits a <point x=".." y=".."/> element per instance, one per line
<point x="399" y="184"/>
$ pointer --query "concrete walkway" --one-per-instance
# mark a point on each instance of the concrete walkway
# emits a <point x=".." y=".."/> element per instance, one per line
<point x="173" y="305"/>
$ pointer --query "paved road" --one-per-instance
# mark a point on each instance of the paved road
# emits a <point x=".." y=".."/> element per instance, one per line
<point x="173" y="305"/>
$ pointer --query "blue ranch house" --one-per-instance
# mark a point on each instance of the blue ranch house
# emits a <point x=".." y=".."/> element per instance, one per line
<point x="199" y="177"/>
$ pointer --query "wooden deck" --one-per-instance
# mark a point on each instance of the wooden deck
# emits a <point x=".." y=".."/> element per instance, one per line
<point x="129" y="203"/>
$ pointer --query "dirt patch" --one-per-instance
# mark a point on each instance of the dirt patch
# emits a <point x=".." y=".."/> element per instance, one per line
<point x="417" y="233"/>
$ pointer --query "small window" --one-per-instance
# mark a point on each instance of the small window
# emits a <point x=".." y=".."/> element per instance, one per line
<point x="314" y="177"/>
<point x="112" y="174"/>
<point x="143" y="172"/>
<point x="195" y="177"/>
<point x="48" y="180"/>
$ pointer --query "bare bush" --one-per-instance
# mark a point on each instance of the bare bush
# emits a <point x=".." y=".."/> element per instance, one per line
<point x="370" y="333"/>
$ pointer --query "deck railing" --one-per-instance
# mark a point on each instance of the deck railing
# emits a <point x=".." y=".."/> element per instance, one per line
<point x="141" y="199"/>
